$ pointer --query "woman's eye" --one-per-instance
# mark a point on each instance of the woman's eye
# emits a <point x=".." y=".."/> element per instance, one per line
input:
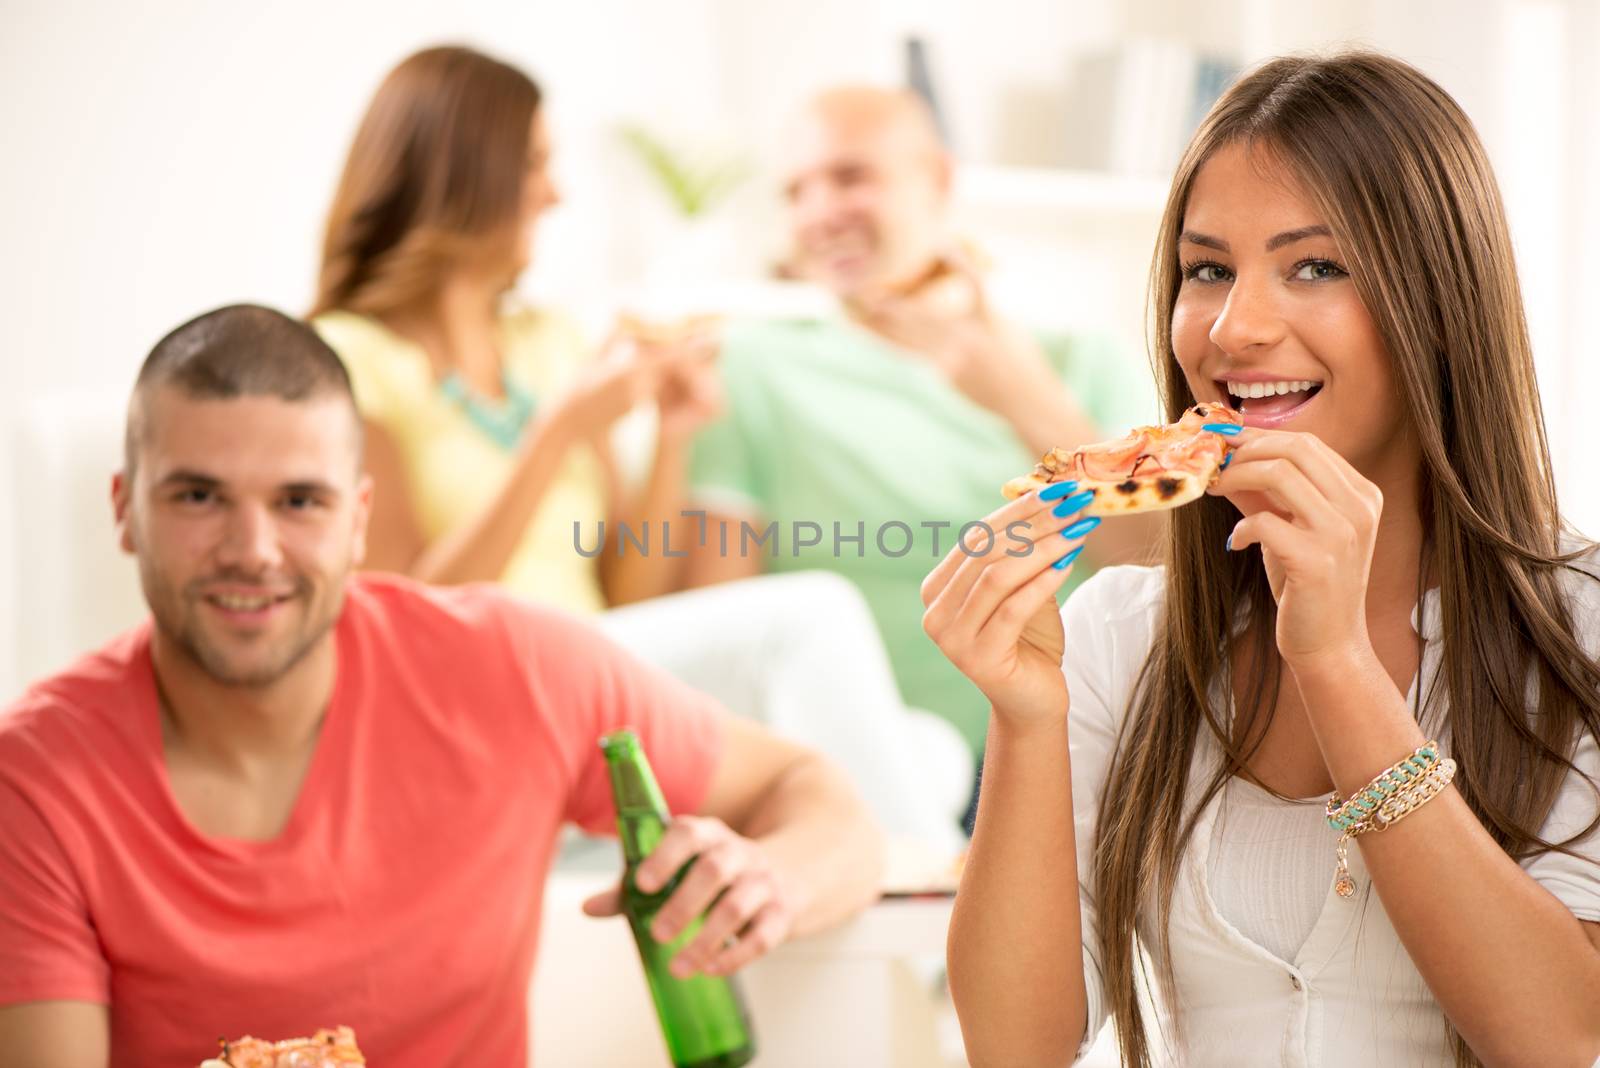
<point x="1317" y="271"/>
<point x="1205" y="272"/>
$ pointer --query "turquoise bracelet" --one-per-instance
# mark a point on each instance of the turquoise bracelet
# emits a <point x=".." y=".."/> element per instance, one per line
<point x="1345" y="815"/>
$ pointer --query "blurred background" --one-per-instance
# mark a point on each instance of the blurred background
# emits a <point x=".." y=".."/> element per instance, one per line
<point x="167" y="160"/>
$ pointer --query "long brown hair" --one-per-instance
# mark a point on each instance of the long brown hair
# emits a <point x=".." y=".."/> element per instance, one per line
<point x="1399" y="175"/>
<point x="436" y="169"/>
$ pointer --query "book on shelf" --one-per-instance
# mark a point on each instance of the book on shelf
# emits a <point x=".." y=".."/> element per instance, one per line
<point x="1134" y="106"/>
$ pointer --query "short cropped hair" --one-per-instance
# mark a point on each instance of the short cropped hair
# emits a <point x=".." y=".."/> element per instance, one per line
<point x="242" y="350"/>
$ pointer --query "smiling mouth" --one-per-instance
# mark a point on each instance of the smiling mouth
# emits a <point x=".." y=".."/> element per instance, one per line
<point x="243" y="605"/>
<point x="1267" y="399"/>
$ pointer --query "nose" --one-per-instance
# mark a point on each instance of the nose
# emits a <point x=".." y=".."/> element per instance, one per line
<point x="250" y="542"/>
<point x="1249" y="319"/>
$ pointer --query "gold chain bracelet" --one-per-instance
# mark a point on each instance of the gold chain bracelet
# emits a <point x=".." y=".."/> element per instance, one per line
<point x="1403" y="789"/>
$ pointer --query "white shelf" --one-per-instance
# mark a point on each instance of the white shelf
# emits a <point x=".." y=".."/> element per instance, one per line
<point x="983" y="188"/>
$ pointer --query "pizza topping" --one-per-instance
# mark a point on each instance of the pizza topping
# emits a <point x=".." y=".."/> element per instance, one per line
<point x="1153" y="467"/>
<point x="325" y="1049"/>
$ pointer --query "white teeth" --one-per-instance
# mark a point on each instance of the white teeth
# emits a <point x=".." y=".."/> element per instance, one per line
<point x="1269" y="389"/>
<point x="242" y="604"/>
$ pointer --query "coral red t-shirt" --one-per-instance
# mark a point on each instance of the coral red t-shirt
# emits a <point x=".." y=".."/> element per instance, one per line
<point x="403" y="895"/>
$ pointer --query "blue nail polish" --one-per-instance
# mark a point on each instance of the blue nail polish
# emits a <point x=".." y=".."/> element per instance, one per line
<point x="1063" y="563"/>
<point x="1227" y="430"/>
<point x="1226" y="460"/>
<point x="1076" y="503"/>
<point x="1081" y="527"/>
<point x="1228" y="545"/>
<point x="1057" y="489"/>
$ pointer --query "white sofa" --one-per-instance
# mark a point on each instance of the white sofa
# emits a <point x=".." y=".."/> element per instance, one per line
<point x="65" y="587"/>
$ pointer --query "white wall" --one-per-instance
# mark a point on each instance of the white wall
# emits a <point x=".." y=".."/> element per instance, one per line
<point x="169" y="157"/>
<point x="172" y="157"/>
<point x="1578" y="222"/>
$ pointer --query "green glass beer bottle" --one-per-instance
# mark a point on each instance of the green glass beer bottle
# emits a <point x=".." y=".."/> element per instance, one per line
<point x="703" y="1018"/>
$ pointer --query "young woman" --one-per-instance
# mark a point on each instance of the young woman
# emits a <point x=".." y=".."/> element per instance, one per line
<point x="488" y="423"/>
<point x="487" y="419"/>
<point x="1381" y="565"/>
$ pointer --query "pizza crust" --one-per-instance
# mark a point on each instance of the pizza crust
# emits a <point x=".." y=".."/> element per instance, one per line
<point x="1153" y="493"/>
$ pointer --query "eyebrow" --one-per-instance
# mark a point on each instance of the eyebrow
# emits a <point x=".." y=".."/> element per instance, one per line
<point x="1288" y="237"/>
<point x="312" y="486"/>
<point x="186" y="477"/>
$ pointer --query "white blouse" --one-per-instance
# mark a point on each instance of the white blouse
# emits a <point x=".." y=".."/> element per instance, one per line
<point x="1268" y="991"/>
<point x="1269" y="866"/>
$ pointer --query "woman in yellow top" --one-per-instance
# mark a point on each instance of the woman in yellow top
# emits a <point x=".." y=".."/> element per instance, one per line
<point x="487" y="426"/>
<point x="487" y="420"/>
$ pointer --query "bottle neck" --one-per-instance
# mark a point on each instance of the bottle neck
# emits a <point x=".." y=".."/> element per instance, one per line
<point x="639" y="833"/>
<point x="641" y="810"/>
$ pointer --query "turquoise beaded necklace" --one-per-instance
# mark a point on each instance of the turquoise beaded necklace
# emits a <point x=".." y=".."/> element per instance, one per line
<point x="502" y="421"/>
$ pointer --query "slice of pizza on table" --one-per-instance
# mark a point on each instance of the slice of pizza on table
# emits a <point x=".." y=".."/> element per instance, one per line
<point x="325" y="1049"/>
<point x="1151" y="469"/>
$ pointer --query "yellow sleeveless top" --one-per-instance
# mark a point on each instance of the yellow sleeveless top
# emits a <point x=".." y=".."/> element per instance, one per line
<point x="453" y="467"/>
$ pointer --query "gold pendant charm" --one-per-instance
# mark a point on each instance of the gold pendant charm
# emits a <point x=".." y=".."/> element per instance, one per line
<point x="1343" y="885"/>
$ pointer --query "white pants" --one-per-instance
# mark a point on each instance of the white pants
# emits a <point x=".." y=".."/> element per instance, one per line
<point x="801" y="653"/>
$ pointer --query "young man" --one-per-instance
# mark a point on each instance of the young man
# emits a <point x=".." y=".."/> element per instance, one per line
<point x="912" y="406"/>
<point x="296" y="797"/>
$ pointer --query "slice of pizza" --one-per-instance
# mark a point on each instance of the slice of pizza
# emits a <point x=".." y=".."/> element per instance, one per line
<point x="1153" y="468"/>
<point x="325" y="1049"/>
<point x="949" y="284"/>
<point x="668" y="331"/>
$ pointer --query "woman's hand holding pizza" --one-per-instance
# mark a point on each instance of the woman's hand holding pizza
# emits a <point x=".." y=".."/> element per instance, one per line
<point x="990" y="603"/>
<point x="1315" y="519"/>
<point x="607" y="388"/>
<point x="679" y="360"/>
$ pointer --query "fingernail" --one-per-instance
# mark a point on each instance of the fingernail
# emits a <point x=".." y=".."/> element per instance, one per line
<point x="1226" y="460"/>
<point x="1228" y="545"/>
<point x="1066" y="561"/>
<point x="1225" y="429"/>
<point x="1057" y="489"/>
<point x="1081" y="527"/>
<point x="1075" y="503"/>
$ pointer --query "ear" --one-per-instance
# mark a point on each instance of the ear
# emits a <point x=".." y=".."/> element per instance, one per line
<point x="121" y="495"/>
<point x="359" y="521"/>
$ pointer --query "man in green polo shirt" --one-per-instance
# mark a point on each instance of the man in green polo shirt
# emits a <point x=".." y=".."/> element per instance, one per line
<point x="869" y="438"/>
